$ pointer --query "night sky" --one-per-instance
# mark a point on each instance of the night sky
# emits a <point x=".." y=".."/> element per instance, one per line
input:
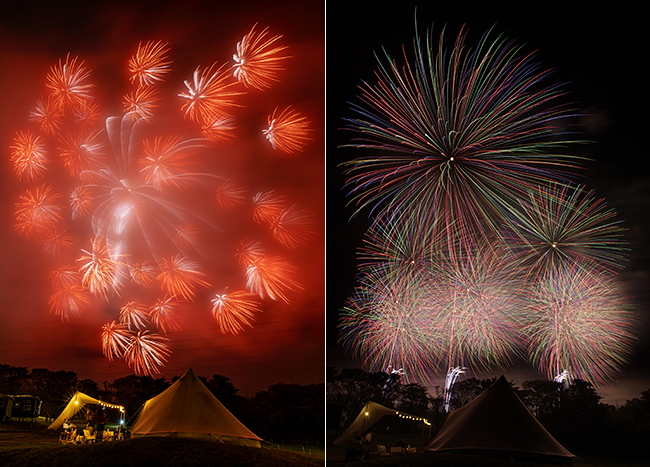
<point x="286" y="342"/>
<point x="597" y="52"/>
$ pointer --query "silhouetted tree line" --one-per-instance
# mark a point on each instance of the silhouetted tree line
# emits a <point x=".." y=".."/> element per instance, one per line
<point x="574" y="415"/>
<point x="284" y="412"/>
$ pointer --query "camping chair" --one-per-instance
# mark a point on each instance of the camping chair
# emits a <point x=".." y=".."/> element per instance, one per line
<point x="89" y="438"/>
<point x="64" y="437"/>
<point x="382" y="451"/>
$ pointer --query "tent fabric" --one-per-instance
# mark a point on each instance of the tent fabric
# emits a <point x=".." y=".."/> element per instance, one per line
<point x="371" y="413"/>
<point x="77" y="402"/>
<point x="188" y="409"/>
<point x="495" y="420"/>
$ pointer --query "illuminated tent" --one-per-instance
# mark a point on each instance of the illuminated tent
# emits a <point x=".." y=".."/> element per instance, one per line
<point x="369" y="415"/>
<point x="188" y="409"/>
<point x="496" y="420"/>
<point x="77" y="402"/>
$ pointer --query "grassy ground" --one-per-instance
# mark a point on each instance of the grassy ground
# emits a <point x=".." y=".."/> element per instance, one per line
<point x="468" y="460"/>
<point x="335" y="456"/>
<point x="36" y="448"/>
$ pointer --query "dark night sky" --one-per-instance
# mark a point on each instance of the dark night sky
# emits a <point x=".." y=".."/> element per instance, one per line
<point x="286" y="343"/>
<point x="597" y="51"/>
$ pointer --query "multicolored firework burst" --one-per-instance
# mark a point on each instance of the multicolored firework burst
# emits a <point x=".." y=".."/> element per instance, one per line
<point x="476" y="301"/>
<point x="472" y="207"/>
<point x="137" y="209"/>
<point x="578" y="320"/>
<point x="460" y="132"/>
<point x="387" y="322"/>
<point x="464" y="310"/>
<point x="560" y="226"/>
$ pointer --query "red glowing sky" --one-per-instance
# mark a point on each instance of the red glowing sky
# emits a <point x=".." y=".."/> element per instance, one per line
<point x="286" y="343"/>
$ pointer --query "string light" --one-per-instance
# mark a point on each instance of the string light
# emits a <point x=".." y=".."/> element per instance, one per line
<point x="411" y="417"/>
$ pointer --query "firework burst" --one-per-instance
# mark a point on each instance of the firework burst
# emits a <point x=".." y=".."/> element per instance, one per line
<point x="560" y="225"/>
<point x="146" y="352"/>
<point x="288" y="131"/>
<point x="208" y="95"/>
<point x="387" y="322"/>
<point x="257" y="61"/>
<point x="234" y="310"/>
<point x="153" y="202"/>
<point x="29" y="156"/>
<point x="115" y="339"/>
<point x="149" y="65"/>
<point x="461" y="132"/>
<point x="578" y="320"/>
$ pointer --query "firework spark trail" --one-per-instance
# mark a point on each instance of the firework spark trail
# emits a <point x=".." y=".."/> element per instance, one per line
<point x="234" y="310"/>
<point x="29" y="156"/>
<point x="219" y="128"/>
<point x="48" y="116"/>
<point x="81" y="201"/>
<point x="288" y="131"/>
<point x="148" y="65"/>
<point x="467" y="144"/>
<point x="141" y="103"/>
<point x="477" y="303"/>
<point x="69" y="299"/>
<point x="115" y="340"/>
<point x="578" y="320"/>
<point x="271" y="276"/>
<point x="38" y="212"/>
<point x="143" y="273"/>
<point x="460" y="132"/>
<point x="134" y="315"/>
<point x="560" y="225"/>
<point x="387" y="322"/>
<point x="146" y="352"/>
<point x="293" y="228"/>
<point x="267" y="206"/>
<point x="179" y="277"/>
<point x="103" y="271"/>
<point x="57" y="243"/>
<point x="249" y="251"/>
<point x="80" y="150"/>
<point x="69" y="84"/>
<point x="257" y="61"/>
<point x="208" y="95"/>
<point x="163" y="315"/>
<point x="128" y="192"/>
<point x="230" y="195"/>
<point x="401" y="245"/>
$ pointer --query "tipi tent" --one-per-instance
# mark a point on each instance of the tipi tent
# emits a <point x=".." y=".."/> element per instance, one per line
<point x="496" y="420"/>
<point x="187" y="408"/>
<point x="371" y="413"/>
<point x="77" y="402"/>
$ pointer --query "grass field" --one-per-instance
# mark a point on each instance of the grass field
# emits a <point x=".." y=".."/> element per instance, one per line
<point x="335" y="456"/>
<point x="468" y="460"/>
<point x="39" y="448"/>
